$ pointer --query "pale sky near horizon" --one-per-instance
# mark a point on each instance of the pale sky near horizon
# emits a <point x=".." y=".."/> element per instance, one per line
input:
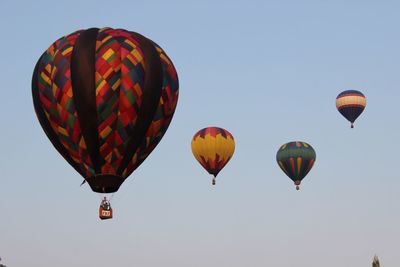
<point x="267" y="71"/>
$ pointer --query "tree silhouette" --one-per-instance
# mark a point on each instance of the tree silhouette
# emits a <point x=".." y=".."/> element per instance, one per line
<point x="375" y="263"/>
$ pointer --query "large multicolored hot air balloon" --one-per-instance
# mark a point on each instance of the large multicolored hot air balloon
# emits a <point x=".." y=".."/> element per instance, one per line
<point x="351" y="104"/>
<point x="105" y="98"/>
<point x="296" y="159"/>
<point x="213" y="147"/>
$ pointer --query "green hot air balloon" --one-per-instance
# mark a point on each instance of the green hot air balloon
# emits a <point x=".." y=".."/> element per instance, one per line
<point x="296" y="159"/>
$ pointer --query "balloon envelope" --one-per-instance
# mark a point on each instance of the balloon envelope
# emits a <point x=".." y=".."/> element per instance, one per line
<point x="296" y="159"/>
<point x="213" y="147"/>
<point x="351" y="104"/>
<point x="105" y="98"/>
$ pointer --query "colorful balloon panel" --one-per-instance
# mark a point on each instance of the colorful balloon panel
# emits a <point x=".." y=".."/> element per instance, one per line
<point x="296" y="160"/>
<point x="213" y="147"/>
<point x="105" y="98"/>
<point x="351" y="104"/>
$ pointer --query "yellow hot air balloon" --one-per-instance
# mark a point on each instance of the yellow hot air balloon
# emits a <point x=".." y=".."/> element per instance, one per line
<point x="213" y="147"/>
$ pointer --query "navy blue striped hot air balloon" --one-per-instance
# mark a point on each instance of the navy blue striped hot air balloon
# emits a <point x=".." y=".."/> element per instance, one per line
<point x="351" y="104"/>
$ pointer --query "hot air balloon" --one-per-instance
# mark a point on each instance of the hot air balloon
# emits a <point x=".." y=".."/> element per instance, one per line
<point x="105" y="98"/>
<point x="296" y="159"/>
<point x="351" y="104"/>
<point x="213" y="147"/>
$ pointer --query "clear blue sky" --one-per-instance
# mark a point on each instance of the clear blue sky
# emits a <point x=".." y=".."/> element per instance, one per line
<point x="269" y="72"/>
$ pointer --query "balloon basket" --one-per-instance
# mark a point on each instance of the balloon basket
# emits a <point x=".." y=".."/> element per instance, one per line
<point x="105" y="214"/>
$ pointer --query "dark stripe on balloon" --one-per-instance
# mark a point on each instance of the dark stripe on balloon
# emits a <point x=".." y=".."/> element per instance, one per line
<point x="44" y="122"/>
<point x="282" y="166"/>
<point x="351" y="113"/>
<point x="150" y="99"/>
<point x="309" y="166"/>
<point x="350" y="92"/>
<point x="218" y="165"/>
<point x="351" y="106"/>
<point x="83" y="71"/>
<point x="286" y="164"/>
